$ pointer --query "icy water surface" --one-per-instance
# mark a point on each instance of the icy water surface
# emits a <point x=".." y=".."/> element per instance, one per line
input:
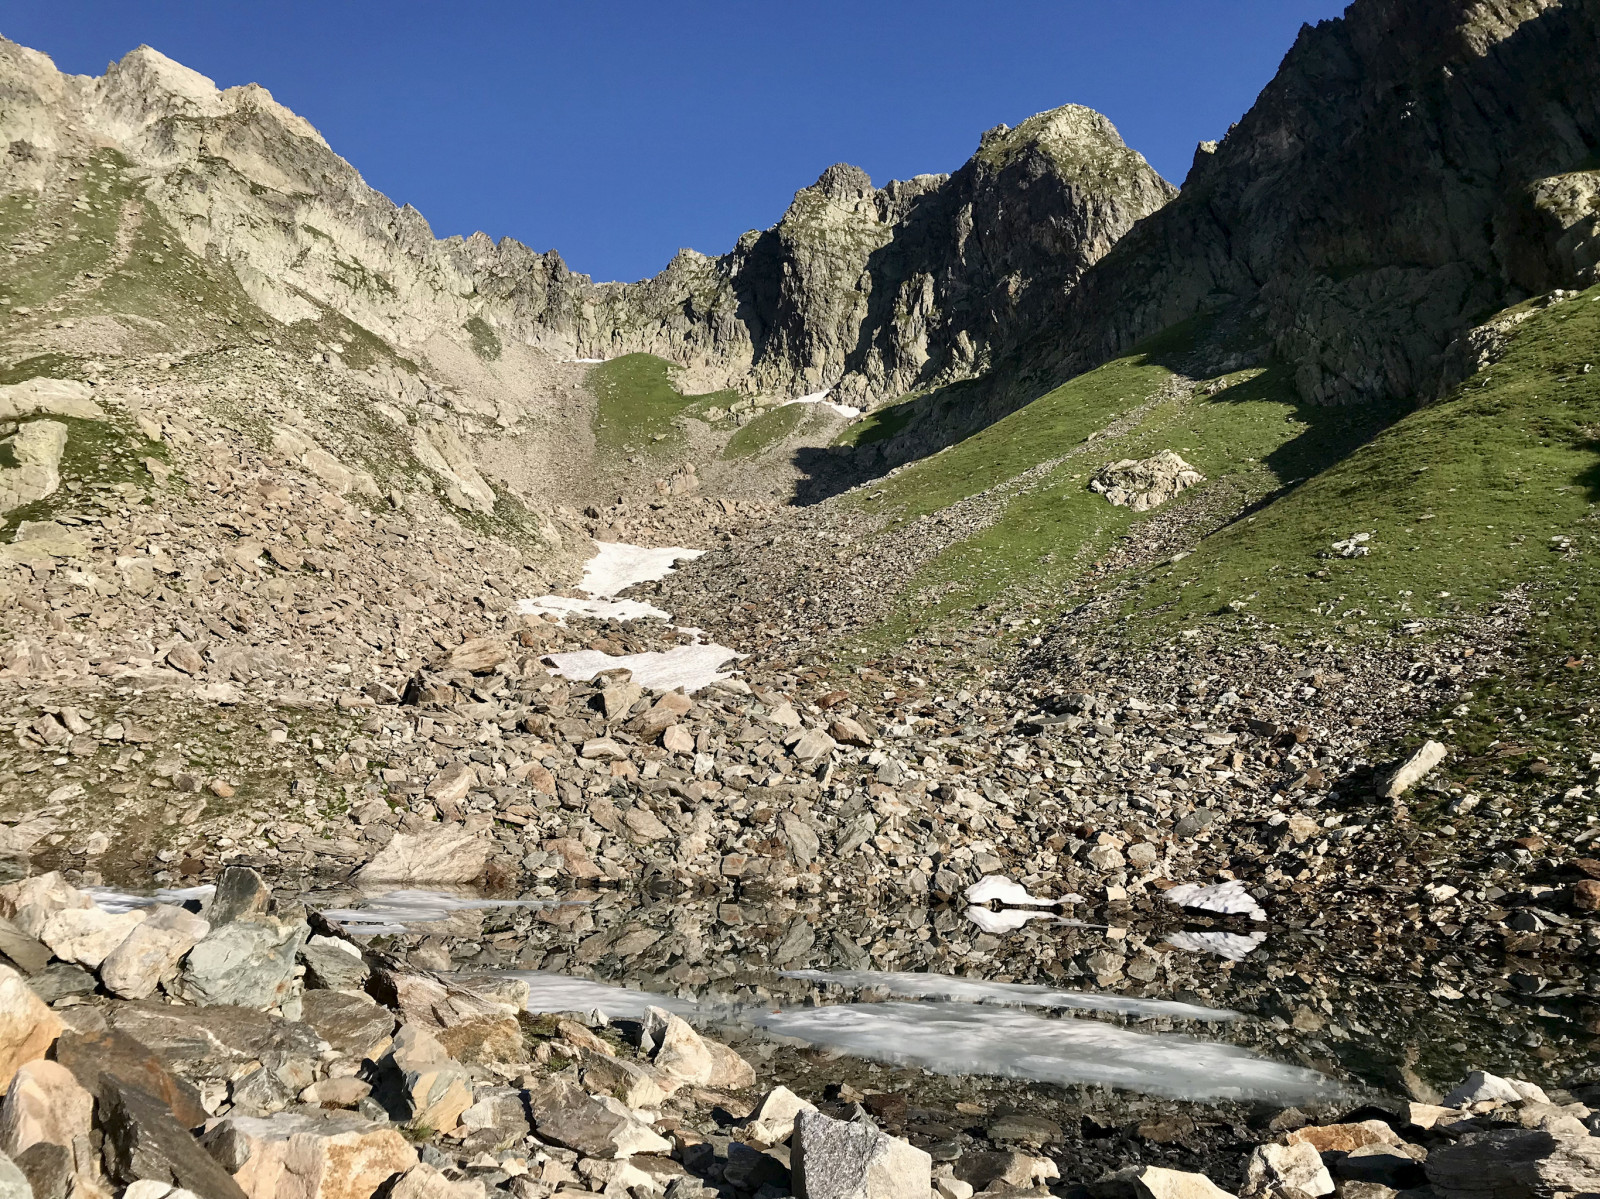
<point x="1190" y="1013"/>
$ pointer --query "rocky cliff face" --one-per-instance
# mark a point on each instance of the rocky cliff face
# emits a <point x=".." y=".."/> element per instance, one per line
<point x="871" y="291"/>
<point x="1412" y="168"/>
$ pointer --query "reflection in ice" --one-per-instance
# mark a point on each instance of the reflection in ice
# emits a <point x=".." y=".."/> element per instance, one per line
<point x="1233" y="946"/>
<point x="976" y="990"/>
<point x="1230" y="898"/>
<point x="1009" y="920"/>
<point x="978" y="1037"/>
<point x="960" y="1038"/>
<point x="396" y="912"/>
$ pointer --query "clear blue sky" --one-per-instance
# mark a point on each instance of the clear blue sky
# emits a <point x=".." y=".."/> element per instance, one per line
<point x="617" y="131"/>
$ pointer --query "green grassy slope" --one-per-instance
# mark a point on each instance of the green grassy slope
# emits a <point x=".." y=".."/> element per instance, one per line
<point x="771" y="428"/>
<point x="1461" y="499"/>
<point x="639" y="405"/>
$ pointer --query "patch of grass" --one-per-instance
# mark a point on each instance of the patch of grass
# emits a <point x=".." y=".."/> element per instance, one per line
<point x="879" y="425"/>
<point x="485" y="341"/>
<point x="772" y="427"/>
<point x="97" y="453"/>
<point x="76" y="231"/>
<point x="41" y="366"/>
<point x="1460" y="500"/>
<point x="639" y="404"/>
<point x="1045" y="429"/>
<point x="1251" y="437"/>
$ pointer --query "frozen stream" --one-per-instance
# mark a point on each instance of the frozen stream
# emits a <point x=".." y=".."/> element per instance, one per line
<point x="614" y="568"/>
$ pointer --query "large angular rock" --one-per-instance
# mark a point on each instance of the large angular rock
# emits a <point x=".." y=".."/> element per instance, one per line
<point x="1481" y="1086"/>
<point x="249" y="962"/>
<point x="240" y="892"/>
<point x="221" y="1041"/>
<point x="833" y="1159"/>
<point x="29" y="902"/>
<point x="1005" y="1170"/>
<point x="1515" y="1163"/>
<point x="1145" y="484"/>
<point x="637" y="1086"/>
<point x="143" y="1140"/>
<point x="134" y="968"/>
<point x="450" y="855"/>
<point x="44" y="1103"/>
<point x="355" y="1025"/>
<point x="594" y="1125"/>
<point x="773" y="1120"/>
<point x="50" y="1169"/>
<point x="333" y="964"/>
<point x="1154" y="1182"/>
<point x="1414" y="769"/>
<point x="683" y="1055"/>
<point x="419" y="1083"/>
<point x="1278" y="1166"/>
<point x="89" y="1055"/>
<point x="422" y="1181"/>
<point x="88" y="935"/>
<point x="29" y="954"/>
<point x="27" y="1026"/>
<point x="1342" y="1138"/>
<point x="472" y="1026"/>
<point x="309" y="1154"/>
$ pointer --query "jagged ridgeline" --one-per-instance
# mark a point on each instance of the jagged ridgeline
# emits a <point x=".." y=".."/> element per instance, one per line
<point x="869" y="291"/>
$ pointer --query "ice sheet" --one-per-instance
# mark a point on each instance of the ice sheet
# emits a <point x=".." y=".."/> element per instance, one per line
<point x="598" y="609"/>
<point x="109" y="899"/>
<point x="616" y="566"/>
<point x="909" y="985"/>
<point x="963" y="1038"/>
<point x="969" y="1038"/>
<point x="549" y="992"/>
<point x="688" y="666"/>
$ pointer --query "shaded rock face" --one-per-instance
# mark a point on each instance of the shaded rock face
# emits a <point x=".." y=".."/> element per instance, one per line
<point x="867" y="289"/>
<point x="875" y="291"/>
<point x="1412" y="167"/>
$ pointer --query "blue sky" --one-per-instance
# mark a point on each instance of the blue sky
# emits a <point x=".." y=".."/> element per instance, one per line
<point x="617" y="131"/>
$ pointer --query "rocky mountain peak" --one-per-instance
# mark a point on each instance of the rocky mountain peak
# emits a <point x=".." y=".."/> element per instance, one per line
<point x="842" y="183"/>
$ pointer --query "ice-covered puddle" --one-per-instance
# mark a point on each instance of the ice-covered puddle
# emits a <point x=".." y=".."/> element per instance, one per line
<point x="960" y="1027"/>
<point x="614" y="568"/>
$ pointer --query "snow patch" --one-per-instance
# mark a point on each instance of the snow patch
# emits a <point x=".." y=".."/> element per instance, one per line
<point x="1007" y="891"/>
<point x="1229" y="898"/>
<point x="598" y="609"/>
<point x="616" y="566"/>
<point x="821" y="397"/>
<point x="688" y="666"/>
